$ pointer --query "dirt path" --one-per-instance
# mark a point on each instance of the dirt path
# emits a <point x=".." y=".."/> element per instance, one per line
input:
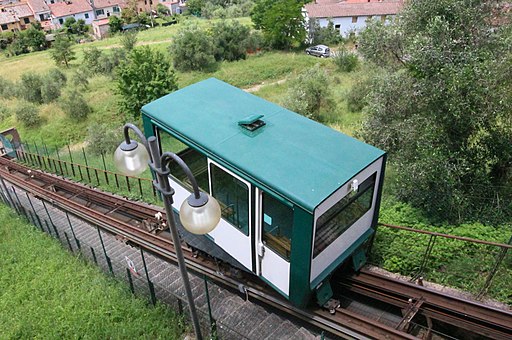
<point x="259" y="86"/>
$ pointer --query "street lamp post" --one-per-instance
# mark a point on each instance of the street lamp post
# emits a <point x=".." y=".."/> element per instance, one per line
<point x="199" y="214"/>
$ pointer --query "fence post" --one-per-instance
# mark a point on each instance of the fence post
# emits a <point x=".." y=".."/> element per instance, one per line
<point x="107" y="258"/>
<point x="77" y="241"/>
<point x="499" y="259"/>
<point x="69" y="243"/>
<point x="39" y="157"/>
<point x="150" y="284"/>
<point x="40" y="225"/>
<point x="71" y="159"/>
<point x="60" y="162"/>
<point x="86" y="165"/>
<point x="50" y="218"/>
<point x="94" y="255"/>
<point x="428" y="251"/>
<point x="104" y="167"/>
<point x="8" y="194"/>
<point x="130" y="280"/>
<point x="213" y="323"/>
<point x="18" y="199"/>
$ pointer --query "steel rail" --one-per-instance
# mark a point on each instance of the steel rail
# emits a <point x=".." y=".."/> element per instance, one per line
<point x="465" y="314"/>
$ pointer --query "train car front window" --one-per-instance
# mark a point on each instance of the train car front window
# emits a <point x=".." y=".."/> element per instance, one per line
<point x="343" y="214"/>
<point x="196" y="161"/>
<point x="277" y="226"/>
<point x="233" y="197"/>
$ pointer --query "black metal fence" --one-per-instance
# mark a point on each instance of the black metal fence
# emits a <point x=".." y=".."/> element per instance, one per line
<point x="107" y="252"/>
<point x="96" y="170"/>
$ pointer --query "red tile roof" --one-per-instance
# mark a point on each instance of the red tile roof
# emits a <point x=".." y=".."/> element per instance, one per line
<point x="352" y="9"/>
<point x="7" y="18"/>
<point x="61" y="9"/>
<point x="108" y="3"/>
<point x="101" y="22"/>
<point x="20" y="10"/>
<point x="38" y="6"/>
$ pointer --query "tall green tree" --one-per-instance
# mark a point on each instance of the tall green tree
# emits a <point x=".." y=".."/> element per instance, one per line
<point x="144" y="76"/>
<point x="61" y="52"/>
<point x="442" y="105"/>
<point x="281" y="21"/>
<point x="192" y="49"/>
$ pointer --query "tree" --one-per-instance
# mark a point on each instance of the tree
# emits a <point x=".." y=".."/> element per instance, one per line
<point x="309" y="92"/>
<point x="115" y="24"/>
<point x="34" y="37"/>
<point x="281" y="21"/>
<point x="61" y="52"/>
<point x="192" y="49"/>
<point x="28" y="114"/>
<point x="129" y="40"/>
<point x="230" y="40"/>
<point x="144" y="76"/>
<point x="29" y="87"/>
<point x="162" y="9"/>
<point x="74" y="105"/>
<point x="324" y="35"/>
<point x="441" y="106"/>
<point x="52" y="85"/>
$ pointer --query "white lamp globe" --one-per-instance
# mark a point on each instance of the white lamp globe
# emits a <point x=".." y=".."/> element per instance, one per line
<point x="200" y="220"/>
<point x="131" y="159"/>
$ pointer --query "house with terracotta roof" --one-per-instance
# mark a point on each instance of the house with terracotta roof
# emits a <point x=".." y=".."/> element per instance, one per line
<point x="40" y="9"/>
<point x="78" y="9"/>
<point x="351" y="15"/>
<point x="105" y="8"/>
<point x="15" y="17"/>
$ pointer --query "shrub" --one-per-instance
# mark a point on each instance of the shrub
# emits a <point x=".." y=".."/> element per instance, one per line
<point x="129" y="40"/>
<point x="356" y="97"/>
<point x="79" y="80"/>
<point x="345" y="60"/>
<point x="75" y="106"/>
<point x="29" y="87"/>
<point x="108" y="62"/>
<point x="51" y="86"/>
<point x="7" y="87"/>
<point x="28" y="114"/>
<point x="308" y="92"/>
<point x="192" y="49"/>
<point x="92" y="60"/>
<point x="103" y="139"/>
<point x="4" y="112"/>
<point x="325" y="35"/>
<point x="230" y="40"/>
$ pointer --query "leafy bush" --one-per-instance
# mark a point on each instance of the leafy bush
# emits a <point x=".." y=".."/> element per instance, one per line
<point x="92" y="60"/>
<point x="356" y="97"/>
<point x="52" y="85"/>
<point x="144" y="76"/>
<point x="345" y="60"/>
<point x="308" y="92"/>
<point x="4" y="112"/>
<point x="28" y="114"/>
<point x="129" y="40"/>
<point x="79" y="80"/>
<point x="29" y="87"/>
<point x="115" y="24"/>
<point x="192" y="49"/>
<point x="7" y="88"/>
<point x="74" y="105"/>
<point x="108" y="62"/>
<point x="324" y="35"/>
<point x="103" y="139"/>
<point x="230" y="40"/>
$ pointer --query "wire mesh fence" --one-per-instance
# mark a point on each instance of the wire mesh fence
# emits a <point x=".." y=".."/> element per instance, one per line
<point x="145" y="275"/>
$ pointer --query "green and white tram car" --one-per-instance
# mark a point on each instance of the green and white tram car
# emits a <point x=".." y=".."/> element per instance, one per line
<point x="298" y="198"/>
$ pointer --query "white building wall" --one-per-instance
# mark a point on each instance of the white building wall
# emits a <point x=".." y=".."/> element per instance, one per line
<point x="346" y="24"/>
<point x="88" y="21"/>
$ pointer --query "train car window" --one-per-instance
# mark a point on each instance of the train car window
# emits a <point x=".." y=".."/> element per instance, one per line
<point x="233" y="197"/>
<point x="196" y="161"/>
<point x="277" y="226"/>
<point x="343" y="214"/>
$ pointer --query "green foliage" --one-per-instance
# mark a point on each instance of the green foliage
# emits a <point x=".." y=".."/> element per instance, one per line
<point x="91" y="60"/>
<point x="75" y="106"/>
<point x="65" y="297"/>
<point x="76" y="27"/>
<point x="345" y="60"/>
<point x="29" y="87"/>
<point x="79" y="80"/>
<point x="230" y="40"/>
<point x="220" y="9"/>
<point x="115" y="24"/>
<point x="103" y="139"/>
<point x="110" y="61"/>
<point x="324" y="35"/>
<point x="7" y="88"/>
<point x="144" y="76"/>
<point x="308" y="92"/>
<point x="357" y="95"/>
<point x="162" y="9"/>
<point x="281" y="21"/>
<point x="52" y="85"/>
<point x="192" y="49"/>
<point x="28" y="114"/>
<point x="34" y="37"/>
<point x="441" y="107"/>
<point x="129" y="40"/>
<point x="61" y="52"/>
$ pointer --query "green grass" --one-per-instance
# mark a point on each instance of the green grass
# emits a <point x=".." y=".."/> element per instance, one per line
<point x="47" y="293"/>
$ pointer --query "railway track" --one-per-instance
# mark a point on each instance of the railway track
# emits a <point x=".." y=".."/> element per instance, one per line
<point x="135" y="223"/>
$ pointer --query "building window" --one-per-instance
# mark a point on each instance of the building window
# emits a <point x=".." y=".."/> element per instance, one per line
<point x="100" y="12"/>
<point x="115" y="9"/>
<point x="61" y="21"/>
<point x="4" y="27"/>
<point x="86" y="15"/>
<point x="343" y="214"/>
<point x="277" y="222"/>
<point x="233" y="197"/>
<point x="354" y="20"/>
<point x="26" y="20"/>
<point x="337" y="27"/>
<point x="41" y="17"/>
<point x="196" y="161"/>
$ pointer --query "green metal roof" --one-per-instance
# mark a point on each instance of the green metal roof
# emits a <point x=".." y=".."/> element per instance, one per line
<point x="301" y="159"/>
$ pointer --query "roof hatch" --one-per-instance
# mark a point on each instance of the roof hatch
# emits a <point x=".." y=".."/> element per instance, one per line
<point x="252" y="123"/>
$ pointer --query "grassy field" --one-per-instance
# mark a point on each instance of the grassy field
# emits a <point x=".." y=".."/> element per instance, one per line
<point x="46" y="293"/>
